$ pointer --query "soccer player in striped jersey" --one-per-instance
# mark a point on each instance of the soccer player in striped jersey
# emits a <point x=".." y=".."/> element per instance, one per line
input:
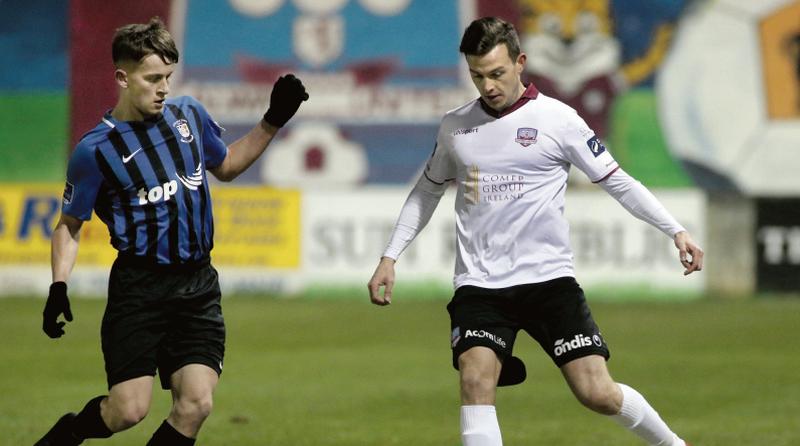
<point x="142" y="170"/>
<point x="509" y="153"/>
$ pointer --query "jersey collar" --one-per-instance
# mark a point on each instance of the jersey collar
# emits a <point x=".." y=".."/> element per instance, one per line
<point x="126" y="126"/>
<point x="530" y="94"/>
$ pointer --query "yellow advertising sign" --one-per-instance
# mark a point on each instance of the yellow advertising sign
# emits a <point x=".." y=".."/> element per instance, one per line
<point x="254" y="227"/>
<point x="780" y="47"/>
<point x="28" y="214"/>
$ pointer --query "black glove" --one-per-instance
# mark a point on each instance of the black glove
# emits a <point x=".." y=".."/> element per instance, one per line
<point x="287" y="94"/>
<point x="57" y="303"/>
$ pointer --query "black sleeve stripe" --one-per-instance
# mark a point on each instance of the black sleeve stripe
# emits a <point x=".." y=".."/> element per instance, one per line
<point x="435" y="146"/>
<point x="433" y="181"/>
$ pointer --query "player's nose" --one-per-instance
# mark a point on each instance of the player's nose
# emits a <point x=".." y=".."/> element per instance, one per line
<point x="163" y="87"/>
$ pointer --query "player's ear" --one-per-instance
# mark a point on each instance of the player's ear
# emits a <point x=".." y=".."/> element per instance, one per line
<point x="121" y="76"/>
<point x="520" y="65"/>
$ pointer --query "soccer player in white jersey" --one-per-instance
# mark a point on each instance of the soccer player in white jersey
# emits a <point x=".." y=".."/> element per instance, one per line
<point x="509" y="153"/>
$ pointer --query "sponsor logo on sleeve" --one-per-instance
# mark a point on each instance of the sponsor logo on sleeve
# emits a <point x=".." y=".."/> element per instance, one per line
<point x="69" y="190"/>
<point x="596" y="146"/>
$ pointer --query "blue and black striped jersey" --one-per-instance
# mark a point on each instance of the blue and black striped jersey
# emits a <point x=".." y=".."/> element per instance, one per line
<point x="146" y="180"/>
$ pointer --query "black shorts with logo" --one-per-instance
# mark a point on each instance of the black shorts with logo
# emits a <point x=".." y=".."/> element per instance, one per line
<point x="554" y="313"/>
<point x="161" y="318"/>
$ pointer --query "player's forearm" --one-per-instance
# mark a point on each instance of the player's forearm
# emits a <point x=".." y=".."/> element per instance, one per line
<point x="641" y="203"/>
<point x="414" y="216"/>
<point x="64" y="250"/>
<point x="243" y="153"/>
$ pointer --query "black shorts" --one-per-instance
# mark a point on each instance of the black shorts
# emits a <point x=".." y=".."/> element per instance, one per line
<point x="554" y="313"/>
<point x="161" y="319"/>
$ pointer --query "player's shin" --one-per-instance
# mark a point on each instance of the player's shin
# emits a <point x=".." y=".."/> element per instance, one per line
<point x="640" y="418"/>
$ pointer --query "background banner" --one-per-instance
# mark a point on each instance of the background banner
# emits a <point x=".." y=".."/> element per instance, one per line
<point x="690" y="97"/>
<point x="254" y="227"/>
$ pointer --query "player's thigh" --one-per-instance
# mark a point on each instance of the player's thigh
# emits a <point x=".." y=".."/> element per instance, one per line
<point x="478" y="318"/>
<point x="481" y="362"/>
<point x="134" y="324"/>
<point x="131" y="398"/>
<point x="194" y="383"/>
<point x="197" y="329"/>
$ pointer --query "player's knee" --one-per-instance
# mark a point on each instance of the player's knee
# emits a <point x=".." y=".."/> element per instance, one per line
<point x="477" y="387"/>
<point x="601" y="399"/>
<point x="128" y="414"/>
<point x="195" y="409"/>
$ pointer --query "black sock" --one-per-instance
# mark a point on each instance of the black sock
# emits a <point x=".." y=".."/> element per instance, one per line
<point x="166" y="435"/>
<point x="89" y="423"/>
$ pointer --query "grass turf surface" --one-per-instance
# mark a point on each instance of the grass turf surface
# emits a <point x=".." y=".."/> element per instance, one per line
<point x="325" y="372"/>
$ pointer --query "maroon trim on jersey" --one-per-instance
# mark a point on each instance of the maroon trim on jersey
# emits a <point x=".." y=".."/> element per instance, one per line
<point x="606" y="177"/>
<point x="530" y="93"/>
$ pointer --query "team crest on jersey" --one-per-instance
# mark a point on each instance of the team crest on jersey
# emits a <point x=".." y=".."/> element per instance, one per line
<point x="526" y="136"/>
<point x="183" y="128"/>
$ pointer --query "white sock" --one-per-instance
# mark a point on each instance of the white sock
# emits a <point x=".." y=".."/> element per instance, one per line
<point x="479" y="426"/>
<point x="641" y="419"/>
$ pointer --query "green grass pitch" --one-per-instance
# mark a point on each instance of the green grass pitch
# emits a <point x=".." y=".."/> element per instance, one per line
<point x="343" y="372"/>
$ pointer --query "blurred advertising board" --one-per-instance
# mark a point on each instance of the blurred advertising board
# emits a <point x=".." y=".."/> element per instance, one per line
<point x="28" y="214"/>
<point x="778" y="244"/>
<point x="345" y="233"/>
<point x="255" y="228"/>
<point x="284" y="241"/>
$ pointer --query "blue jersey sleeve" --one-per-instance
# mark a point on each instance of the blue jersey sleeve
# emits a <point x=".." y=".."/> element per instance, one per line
<point x="83" y="183"/>
<point x="214" y="149"/>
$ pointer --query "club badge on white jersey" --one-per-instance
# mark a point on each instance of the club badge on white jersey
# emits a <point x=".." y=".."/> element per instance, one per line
<point x="526" y="136"/>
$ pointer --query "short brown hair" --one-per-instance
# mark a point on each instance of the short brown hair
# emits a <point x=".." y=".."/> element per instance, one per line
<point x="138" y="40"/>
<point x="486" y="33"/>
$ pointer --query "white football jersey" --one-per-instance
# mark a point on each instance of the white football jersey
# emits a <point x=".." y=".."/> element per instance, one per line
<point x="511" y="172"/>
